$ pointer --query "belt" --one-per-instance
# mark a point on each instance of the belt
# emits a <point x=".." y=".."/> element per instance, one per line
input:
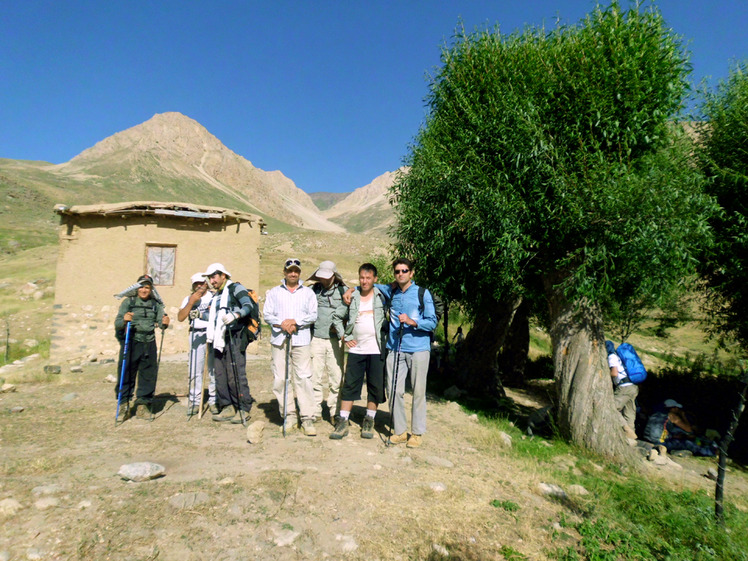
<point x="198" y="329"/>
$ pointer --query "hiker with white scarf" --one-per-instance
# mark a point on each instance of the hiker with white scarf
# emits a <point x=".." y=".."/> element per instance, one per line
<point x="227" y="332"/>
<point x="291" y="310"/>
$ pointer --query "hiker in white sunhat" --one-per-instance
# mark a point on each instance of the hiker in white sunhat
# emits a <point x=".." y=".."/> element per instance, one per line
<point x="231" y="310"/>
<point x="327" y="350"/>
<point x="291" y="310"/>
<point x="196" y="307"/>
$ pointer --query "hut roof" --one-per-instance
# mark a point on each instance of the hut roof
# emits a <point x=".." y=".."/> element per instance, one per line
<point x="155" y="208"/>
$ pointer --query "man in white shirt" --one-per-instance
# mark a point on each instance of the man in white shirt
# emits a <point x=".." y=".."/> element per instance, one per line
<point x="291" y="310"/>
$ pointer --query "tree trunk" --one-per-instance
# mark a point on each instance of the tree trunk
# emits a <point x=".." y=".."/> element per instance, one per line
<point x="513" y="357"/>
<point x="478" y="371"/>
<point x="586" y="413"/>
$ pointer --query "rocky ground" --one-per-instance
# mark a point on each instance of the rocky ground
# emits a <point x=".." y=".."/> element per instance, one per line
<point x="464" y="494"/>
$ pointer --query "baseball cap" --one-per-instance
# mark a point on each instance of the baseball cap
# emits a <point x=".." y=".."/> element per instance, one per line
<point x="291" y="263"/>
<point x="672" y="403"/>
<point x="145" y="279"/>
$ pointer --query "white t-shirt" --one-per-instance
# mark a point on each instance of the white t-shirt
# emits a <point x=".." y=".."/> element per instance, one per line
<point x="364" y="330"/>
<point x="614" y="361"/>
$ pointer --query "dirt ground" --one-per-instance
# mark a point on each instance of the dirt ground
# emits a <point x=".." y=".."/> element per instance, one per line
<point x="223" y="498"/>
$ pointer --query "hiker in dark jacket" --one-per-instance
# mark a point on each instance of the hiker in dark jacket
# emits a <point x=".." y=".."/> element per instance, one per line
<point x="228" y="333"/>
<point x="144" y="313"/>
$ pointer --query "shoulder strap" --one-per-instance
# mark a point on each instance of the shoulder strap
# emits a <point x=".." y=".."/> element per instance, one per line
<point x="421" y="292"/>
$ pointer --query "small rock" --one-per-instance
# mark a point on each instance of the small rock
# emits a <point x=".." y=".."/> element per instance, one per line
<point x="8" y="507"/>
<point x="141" y="471"/>
<point x="437" y="461"/>
<point x="711" y="473"/>
<point x="46" y="489"/>
<point x="653" y="455"/>
<point x="437" y="487"/>
<point x="106" y="361"/>
<point x="348" y="543"/>
<point x="84" y="504"/>
<point x="452" y="393"/>
<point x="578" y="490"/>
<point x="473" y="417"/>
<point x="76" y="368"/>
<point x="506" y="440"/>
<point x="30" y="343"/>
<point x="69" y="396"/>
<point x="376" y="467"/>
<point x="111" y="379"/>
<point x="46" y="502"/>
<point x="7" y="388"/>
<point x="33" y="553"/>
<point x="17" y="409"/>
<point x="285" y="537"/>
<point x="188" y="500"/>
<point x="440" y="549"/>
<point x="52" y="369"/>
<point x="254" y="432"/>
<point x="551" y="490"/>
<point x="226" y="481"/>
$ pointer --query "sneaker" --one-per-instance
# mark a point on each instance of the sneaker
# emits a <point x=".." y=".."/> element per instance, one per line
<point x="193" y="410"/>
<point x="237" y="419"/>
<point x="399" y="438"/>
<point x="226" y="414"/>
<point x="341" y="430"/>
<point x="307" y="425"/>
<point x="214" y="410"/>
<point x="367" y="428"/>
<point x="414" y="441"/>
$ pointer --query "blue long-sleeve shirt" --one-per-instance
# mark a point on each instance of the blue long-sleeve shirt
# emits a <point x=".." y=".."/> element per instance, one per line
<point x="414" y="338"/>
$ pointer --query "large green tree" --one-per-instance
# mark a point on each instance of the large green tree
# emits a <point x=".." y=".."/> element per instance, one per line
<point x="550" y="170"/>
<point x="724" y="157"/>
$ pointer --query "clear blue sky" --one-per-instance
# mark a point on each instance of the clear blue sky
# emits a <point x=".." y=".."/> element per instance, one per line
<point x="330" y="93"/>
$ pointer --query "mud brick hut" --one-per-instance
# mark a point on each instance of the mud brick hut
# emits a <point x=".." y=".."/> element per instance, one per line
<point x="105" y="248"/>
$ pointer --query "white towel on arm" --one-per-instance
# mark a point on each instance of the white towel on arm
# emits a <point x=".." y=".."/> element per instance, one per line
<point x="216" y="328"/>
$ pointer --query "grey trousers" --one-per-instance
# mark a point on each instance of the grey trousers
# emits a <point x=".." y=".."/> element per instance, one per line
<point x="415" y="365"/>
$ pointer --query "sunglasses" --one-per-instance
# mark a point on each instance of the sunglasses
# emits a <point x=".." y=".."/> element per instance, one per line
<point x="401" y="271"/>
<point x="292" y="262"/>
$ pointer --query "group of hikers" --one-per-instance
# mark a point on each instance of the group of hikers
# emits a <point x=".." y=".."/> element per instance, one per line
<point x="386" y="330"/>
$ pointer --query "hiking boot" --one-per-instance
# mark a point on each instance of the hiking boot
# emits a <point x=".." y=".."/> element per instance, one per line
<point x="414" y="441"/>
<point x="399" y="438"/>
<point x="214" y="410"/>
<point x="237" y="419"/>
<point x="307" y="425"/>
<point x="341" y="430"/>
<point x="226" y="414"/>
<point x="142" y="409"/>
<point x="367" y="428"/>
<point x="291" y="424"/>
<point x="662" y="449"/>
<point x="193" y="410"/>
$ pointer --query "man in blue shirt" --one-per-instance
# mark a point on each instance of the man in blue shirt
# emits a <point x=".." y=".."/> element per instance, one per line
<point x="408" y="342"/>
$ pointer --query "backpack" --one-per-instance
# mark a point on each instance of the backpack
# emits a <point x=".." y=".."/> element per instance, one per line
<point x="635" y="371"/>
<point x="438" y="303"/>
<point x="252" y="321"/>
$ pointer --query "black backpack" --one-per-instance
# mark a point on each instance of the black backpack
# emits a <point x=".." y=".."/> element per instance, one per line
<point x="438" y="303"/>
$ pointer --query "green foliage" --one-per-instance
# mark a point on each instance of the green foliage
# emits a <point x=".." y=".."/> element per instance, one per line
<point x="508" y="506"/>
<point x="552" y="157"/>
<point x="724" y="159"/>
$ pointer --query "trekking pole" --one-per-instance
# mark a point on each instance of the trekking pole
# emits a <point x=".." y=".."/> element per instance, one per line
<point x="192" y="384"/>
<point x="236" y="376"/>
<point x="394" y="383"/>
<point x="161" y="346"/>
<point x="285" y="385"/>
<point x="125" y="351"/>
<point x="206" y="371"/>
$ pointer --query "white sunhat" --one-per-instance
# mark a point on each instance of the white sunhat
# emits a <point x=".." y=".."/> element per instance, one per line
<point x="216" y="268"/>
<point x="197" y="277"/>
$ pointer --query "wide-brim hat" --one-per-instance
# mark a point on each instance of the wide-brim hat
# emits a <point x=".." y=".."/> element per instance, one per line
<point x="325" y="271"/>
<point x="216" y="268"/>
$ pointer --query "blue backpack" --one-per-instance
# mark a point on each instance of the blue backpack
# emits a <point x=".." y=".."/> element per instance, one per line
<point x="632" y="363"/>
